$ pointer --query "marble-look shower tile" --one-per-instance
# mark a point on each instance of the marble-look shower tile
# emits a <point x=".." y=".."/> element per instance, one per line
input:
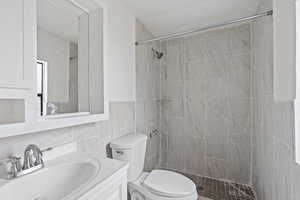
<point x="239" y="116"/>
<point x="172" y="89"/>
<point x="153" y="85"/>
<point x="195" y="48"/>
<point x="152" y="152"/>
<point x="175" y="160"/>
<point x="218" y="110"/>
<point x="238" y="157"/>
<point x="205" y="91"/>
<point x="175" y="107"/>
<point x="150" y="163"/>
<point x="174" y="68"/>
<point x="176" y="143"/>
<point x="218" y="46"/>
<point x="216" y="139"/>
<point x="164" y="142"/>
<point x="216" y="167"/>
<point x="216" y="89"/>
<point x="207" y="68"/>
<point x="163" y="163"/>
<point x="195" y="70"/>
<point x="142" y="67"/>
<point x="216" y="66"/>
<point x="217" y="122"/>
<point x="194" y="156"/>
<point x="175" y="125"/>
<point x="195" y="117"/>
<point x="240" y="39"/>
<point x="164" y="49"/>
<point x="239" y="77"/>
<point x="196" y="89"/>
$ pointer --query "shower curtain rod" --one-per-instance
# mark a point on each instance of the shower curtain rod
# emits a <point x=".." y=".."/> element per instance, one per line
<point x="182" y="34"/>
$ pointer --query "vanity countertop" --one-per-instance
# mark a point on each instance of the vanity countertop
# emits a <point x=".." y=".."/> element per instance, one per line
<point x="76" y="172"/>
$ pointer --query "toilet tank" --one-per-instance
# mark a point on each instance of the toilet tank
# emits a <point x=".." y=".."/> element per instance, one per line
<point x="132" y="149"/>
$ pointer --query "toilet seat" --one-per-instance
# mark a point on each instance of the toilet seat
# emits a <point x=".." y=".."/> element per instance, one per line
<point x="153" y="193"/>
<point x="169" y="184"/>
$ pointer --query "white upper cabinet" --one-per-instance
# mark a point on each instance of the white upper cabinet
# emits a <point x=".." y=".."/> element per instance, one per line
<point x="15" y="19"/>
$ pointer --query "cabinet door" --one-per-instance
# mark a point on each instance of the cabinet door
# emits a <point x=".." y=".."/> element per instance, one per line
<point x="112" y="193"/>
<point x="115" y="190"/>
<point x="12" y="32"/>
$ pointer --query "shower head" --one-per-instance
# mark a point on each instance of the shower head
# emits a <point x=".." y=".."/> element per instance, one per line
<point x="157" y="54"/>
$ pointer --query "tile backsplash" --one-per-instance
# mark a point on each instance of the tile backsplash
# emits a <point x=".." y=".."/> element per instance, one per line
<point x="90" y="137"/>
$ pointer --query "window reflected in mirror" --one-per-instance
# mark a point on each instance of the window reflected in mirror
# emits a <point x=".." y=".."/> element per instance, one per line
<point x="69" y="66"/>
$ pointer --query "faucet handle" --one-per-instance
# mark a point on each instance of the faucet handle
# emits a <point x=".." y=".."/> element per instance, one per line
<point x="16" y="163"/>
<point x="13" y="166"/>
<point x="47" y="149"/>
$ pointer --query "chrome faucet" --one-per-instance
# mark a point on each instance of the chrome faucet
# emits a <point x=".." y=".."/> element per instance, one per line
<point x="33" y="157"/>
<point x="33" y="161"/>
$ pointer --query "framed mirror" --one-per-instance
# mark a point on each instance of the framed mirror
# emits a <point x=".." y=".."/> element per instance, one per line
<point x="69" y="66"/>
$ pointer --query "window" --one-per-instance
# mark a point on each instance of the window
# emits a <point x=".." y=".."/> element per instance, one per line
<point x="42" y="86"/>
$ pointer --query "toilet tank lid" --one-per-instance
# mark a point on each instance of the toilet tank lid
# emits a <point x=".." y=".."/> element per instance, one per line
<point x="127" y="141"/>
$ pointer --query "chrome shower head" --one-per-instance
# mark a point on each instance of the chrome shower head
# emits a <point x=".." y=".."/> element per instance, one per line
<point x="157" y="54"/>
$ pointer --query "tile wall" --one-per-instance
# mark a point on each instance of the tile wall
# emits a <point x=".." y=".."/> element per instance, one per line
<point x="148" y="94"/>
<point x="205" y="90"/>
<point x="275" y="175"/>
<point x="91" y="137"/>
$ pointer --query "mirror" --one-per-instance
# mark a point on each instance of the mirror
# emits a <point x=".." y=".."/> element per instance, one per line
<point x="69" y="57"/>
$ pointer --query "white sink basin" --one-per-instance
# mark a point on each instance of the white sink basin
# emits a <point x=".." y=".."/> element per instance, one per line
<point x="56" y="181"/>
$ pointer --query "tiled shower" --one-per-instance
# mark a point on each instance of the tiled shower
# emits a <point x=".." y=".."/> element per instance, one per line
<point x="204" y="104"/>
<point x="214" y="110"/>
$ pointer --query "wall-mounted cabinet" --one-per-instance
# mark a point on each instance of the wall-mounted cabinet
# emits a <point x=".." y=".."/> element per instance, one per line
<point x="52" y="57"/>
<point x="15" y="39"/>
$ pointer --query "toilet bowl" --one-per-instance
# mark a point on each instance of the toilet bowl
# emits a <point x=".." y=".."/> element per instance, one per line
<point x="162" y="185"/>
<point x="154" y="185"/>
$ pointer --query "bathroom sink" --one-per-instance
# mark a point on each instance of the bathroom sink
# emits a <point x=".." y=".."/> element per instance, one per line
<point x="56" y="181"/>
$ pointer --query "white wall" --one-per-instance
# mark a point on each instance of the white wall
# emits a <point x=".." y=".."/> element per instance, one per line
<point x="120" y="53"/>
<point x="284" y="50"/>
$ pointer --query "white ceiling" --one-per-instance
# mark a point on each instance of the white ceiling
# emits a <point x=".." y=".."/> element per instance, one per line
<point x="170" y="16"/>
<point x="59" y="18"/>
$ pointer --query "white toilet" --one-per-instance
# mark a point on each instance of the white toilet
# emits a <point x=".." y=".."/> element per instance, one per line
<point x="156" y="185"/>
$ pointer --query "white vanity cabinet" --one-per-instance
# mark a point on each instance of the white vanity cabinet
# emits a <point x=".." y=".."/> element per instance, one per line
<point x="16" y="35"/>
<point x="114" y="188"/>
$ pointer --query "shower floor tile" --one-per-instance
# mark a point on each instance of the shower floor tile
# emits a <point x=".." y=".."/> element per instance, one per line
<point x="213" y="189"/>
